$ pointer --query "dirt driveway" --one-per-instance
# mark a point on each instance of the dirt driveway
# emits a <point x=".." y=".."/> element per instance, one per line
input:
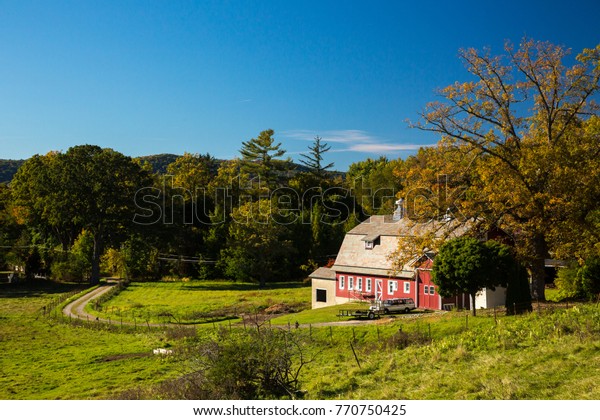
<point x="76" y="309"/>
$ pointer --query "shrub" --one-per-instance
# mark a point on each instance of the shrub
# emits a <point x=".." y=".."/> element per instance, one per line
<point x="403" y="339"/>
<point x="261" y="363"/>
<point x="590" y="277"/>
<point x="568" y="283"/>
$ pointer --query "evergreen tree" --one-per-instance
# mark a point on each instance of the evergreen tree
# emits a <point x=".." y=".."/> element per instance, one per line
<point x="467" y="265"/>
<point x="313" y="160"/>
<point x="590" y="277"/>
<point x="258" y="156"/>
<point x="518" y="294"/>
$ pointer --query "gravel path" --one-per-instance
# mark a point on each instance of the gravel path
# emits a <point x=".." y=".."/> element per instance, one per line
<point x="76" y="309"/>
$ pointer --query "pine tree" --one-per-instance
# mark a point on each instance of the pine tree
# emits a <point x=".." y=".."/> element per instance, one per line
<point x="257" y="156"/>
<point x="518" y="295"/>
<point x="313" y="160"/>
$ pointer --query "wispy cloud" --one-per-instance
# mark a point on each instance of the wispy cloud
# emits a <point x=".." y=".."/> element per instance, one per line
<point x="353" y="140"/>
<point x="384" y="147"/>
<point x="331" y="136"/>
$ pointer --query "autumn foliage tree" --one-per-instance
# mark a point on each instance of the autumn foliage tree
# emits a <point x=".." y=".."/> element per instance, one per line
<point x="529" y="125"/>
<point x="259" y="244"/>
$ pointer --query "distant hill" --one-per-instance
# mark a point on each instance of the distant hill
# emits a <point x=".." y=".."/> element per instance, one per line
<point x="160" y="162"/>
<point x="8" y="169"/>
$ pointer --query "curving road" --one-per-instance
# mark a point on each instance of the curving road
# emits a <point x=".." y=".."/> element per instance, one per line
<point x="76" y="309"/>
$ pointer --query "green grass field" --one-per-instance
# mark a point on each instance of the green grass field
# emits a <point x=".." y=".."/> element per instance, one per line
<point x="196" y="302"/>
<point x="548" y="354"/>
<point x="43" y="359"/>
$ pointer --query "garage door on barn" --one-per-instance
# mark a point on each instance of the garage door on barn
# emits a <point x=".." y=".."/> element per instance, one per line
<point x="428" y="295"/>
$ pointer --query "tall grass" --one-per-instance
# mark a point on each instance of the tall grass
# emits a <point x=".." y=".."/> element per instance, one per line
<point x="548" y="355"/>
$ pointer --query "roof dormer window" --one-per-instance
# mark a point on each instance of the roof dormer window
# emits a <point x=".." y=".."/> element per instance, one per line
<point x="371" y="241"/>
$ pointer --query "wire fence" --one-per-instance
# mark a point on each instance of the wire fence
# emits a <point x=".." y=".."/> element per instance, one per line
<point x="413" y="328"/>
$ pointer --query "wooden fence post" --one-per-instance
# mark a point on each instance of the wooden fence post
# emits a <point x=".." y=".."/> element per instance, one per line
<point x="355" y="356"/>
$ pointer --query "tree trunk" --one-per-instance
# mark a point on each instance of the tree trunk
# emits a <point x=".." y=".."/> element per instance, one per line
<point x="98" y="249"/>
<point x="473" y="303"/>
<point x="538" y="268"/>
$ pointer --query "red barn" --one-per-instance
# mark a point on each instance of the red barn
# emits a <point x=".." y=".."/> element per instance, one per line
<point x="363" y="269"/>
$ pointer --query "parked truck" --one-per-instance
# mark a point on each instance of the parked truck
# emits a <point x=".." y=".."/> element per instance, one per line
<point x="384" y="307"/>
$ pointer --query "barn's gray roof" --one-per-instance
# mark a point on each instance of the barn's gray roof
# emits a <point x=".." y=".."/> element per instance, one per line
<point x="376" y="226"/>
<point x="354" y="258"/>
<point x="323" y="273"/>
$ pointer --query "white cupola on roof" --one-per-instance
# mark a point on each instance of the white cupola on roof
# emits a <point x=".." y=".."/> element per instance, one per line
<point x="399" y="212"/>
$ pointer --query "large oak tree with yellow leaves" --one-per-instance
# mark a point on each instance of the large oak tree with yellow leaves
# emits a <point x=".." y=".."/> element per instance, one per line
<point x="519" y="149"/>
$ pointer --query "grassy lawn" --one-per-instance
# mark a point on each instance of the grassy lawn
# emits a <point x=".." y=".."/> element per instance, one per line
<point x="548" y="354"/>
<point x="42" y="359"/>
<point x="315" y="316"/>
<point x="196" y="302"/>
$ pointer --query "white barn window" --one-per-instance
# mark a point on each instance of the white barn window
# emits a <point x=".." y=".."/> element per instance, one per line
<point x="350" y="283"/>
<point x="406" y="287"/>
<point x="368" y="285"/>
<point x="342" y="282"/>
<point x="359" y="284"/>
<point x="392" y="286"/>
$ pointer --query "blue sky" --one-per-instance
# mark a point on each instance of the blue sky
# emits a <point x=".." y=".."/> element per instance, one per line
<point x="203" y="76"/>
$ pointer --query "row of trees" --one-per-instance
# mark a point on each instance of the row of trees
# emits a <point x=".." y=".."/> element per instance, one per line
<point x="519" y="154"/>
<point x="257" y="218"/>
